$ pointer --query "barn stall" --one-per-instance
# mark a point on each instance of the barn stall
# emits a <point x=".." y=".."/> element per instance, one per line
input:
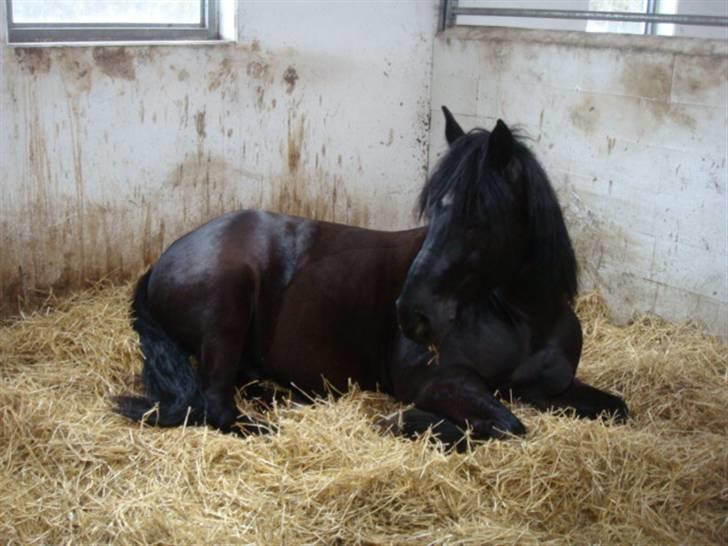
<point x="112" y="152"/>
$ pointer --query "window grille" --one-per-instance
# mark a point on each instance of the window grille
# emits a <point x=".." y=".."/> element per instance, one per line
<point x="651" y="17"/>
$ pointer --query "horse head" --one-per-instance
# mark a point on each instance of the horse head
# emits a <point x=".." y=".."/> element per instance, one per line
<point x="494" y="223"/>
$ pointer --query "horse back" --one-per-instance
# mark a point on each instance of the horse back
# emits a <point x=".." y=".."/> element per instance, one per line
<point x="320" y="296"/>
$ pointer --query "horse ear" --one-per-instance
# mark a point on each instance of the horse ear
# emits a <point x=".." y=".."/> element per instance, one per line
<point x="453" y="131"/>
<point x="500" y="144"/>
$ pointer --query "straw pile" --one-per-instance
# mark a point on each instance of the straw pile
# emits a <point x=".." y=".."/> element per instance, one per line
<point x="73" y="472"/>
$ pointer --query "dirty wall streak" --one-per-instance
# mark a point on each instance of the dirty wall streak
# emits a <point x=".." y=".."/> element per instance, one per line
<point x="109" y="154"/>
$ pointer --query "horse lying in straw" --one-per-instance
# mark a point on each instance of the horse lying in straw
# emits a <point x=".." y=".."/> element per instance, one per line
<point x="487" y="284"/>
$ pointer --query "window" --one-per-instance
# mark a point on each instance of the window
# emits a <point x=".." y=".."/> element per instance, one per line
<point x="649" y="7"/>
<point x="695" y="18"/>
<point x="113" y="20"/>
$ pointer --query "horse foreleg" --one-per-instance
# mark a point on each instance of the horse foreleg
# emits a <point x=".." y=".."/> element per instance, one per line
<point x="413" y="422"/>
<point x="585" y="401"/>
<point x="458" y="395"/>
<point x="547" y="381"/>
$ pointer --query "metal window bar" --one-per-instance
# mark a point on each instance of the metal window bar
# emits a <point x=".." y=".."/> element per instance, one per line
<point x="449" y="10"/>
<point x="650" y="27"/>
<point x="208" y="28"/>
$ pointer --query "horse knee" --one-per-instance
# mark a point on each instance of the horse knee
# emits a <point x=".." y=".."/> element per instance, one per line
<point x="549" y="369"/>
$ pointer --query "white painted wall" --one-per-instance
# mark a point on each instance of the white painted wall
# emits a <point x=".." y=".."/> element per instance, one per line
<point x="323" y="109"/>
<point x="107" y="155"/>
<point x="633" y="133"/>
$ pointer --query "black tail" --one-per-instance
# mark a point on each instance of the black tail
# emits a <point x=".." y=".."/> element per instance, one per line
<point x="170" y="382"/>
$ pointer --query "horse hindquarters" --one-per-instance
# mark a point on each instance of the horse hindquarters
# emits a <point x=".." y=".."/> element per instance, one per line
<point x="169" y="380"/>
<point x="179" y="393"/>
<point x="227" y="320"/>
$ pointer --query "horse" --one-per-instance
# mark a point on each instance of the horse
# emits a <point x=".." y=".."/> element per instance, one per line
<point x="442" y="317"/>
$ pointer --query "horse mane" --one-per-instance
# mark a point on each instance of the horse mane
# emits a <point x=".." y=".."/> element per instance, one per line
<point x="479" y="190"/>
<point x="462" y="174"/>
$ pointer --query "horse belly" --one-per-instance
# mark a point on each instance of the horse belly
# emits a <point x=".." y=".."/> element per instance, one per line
<point x="311" y="352"/>
<point x="332" y="328"/>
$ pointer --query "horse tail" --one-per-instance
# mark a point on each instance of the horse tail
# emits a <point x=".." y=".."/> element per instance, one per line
<point x="173" y="394"/>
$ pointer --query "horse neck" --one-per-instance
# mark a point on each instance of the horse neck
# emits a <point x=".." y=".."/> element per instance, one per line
<point x="414" y="238"/>
<point x="409" y="242"/>
<point x="527" y="295"/>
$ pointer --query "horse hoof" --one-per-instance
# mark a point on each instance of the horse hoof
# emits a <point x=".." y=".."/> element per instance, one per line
<point x="499" y="430"/>
<point x="621" y="412"/>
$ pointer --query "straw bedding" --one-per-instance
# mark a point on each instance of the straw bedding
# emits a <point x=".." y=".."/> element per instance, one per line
<point x="73" y="472"/>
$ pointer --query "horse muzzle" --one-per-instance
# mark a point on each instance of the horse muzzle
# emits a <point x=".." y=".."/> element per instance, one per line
<point x="414" y="323"/>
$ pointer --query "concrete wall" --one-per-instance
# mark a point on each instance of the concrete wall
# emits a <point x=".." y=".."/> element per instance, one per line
<point x="108" y="154"/>
<point x="633" y="132"/>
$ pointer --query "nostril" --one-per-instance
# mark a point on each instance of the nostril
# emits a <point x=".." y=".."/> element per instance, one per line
<point x="422" y="328"/>
<point x="414" y="323"/>
<point x="422" y="332"/>
<point x="421" y="319"/>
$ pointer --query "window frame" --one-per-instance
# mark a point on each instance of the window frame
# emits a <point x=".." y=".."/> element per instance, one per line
<point x="208" y="29"/>
<point x="449" y="10"/>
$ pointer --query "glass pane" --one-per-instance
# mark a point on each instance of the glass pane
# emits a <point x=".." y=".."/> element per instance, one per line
<point x="155" y="12"/>
<point x="666" y="7"/>
<point x="622" y="27"/>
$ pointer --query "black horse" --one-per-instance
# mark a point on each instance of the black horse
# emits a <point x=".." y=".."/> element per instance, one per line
<point x="442" y="317"/>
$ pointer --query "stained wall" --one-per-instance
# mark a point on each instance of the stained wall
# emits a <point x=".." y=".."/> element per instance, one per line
<point x="107" y="154"/>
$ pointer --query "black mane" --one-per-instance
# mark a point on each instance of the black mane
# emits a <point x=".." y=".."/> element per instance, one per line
<point x="461" y="174"/>
<point x="479" y="191"/>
